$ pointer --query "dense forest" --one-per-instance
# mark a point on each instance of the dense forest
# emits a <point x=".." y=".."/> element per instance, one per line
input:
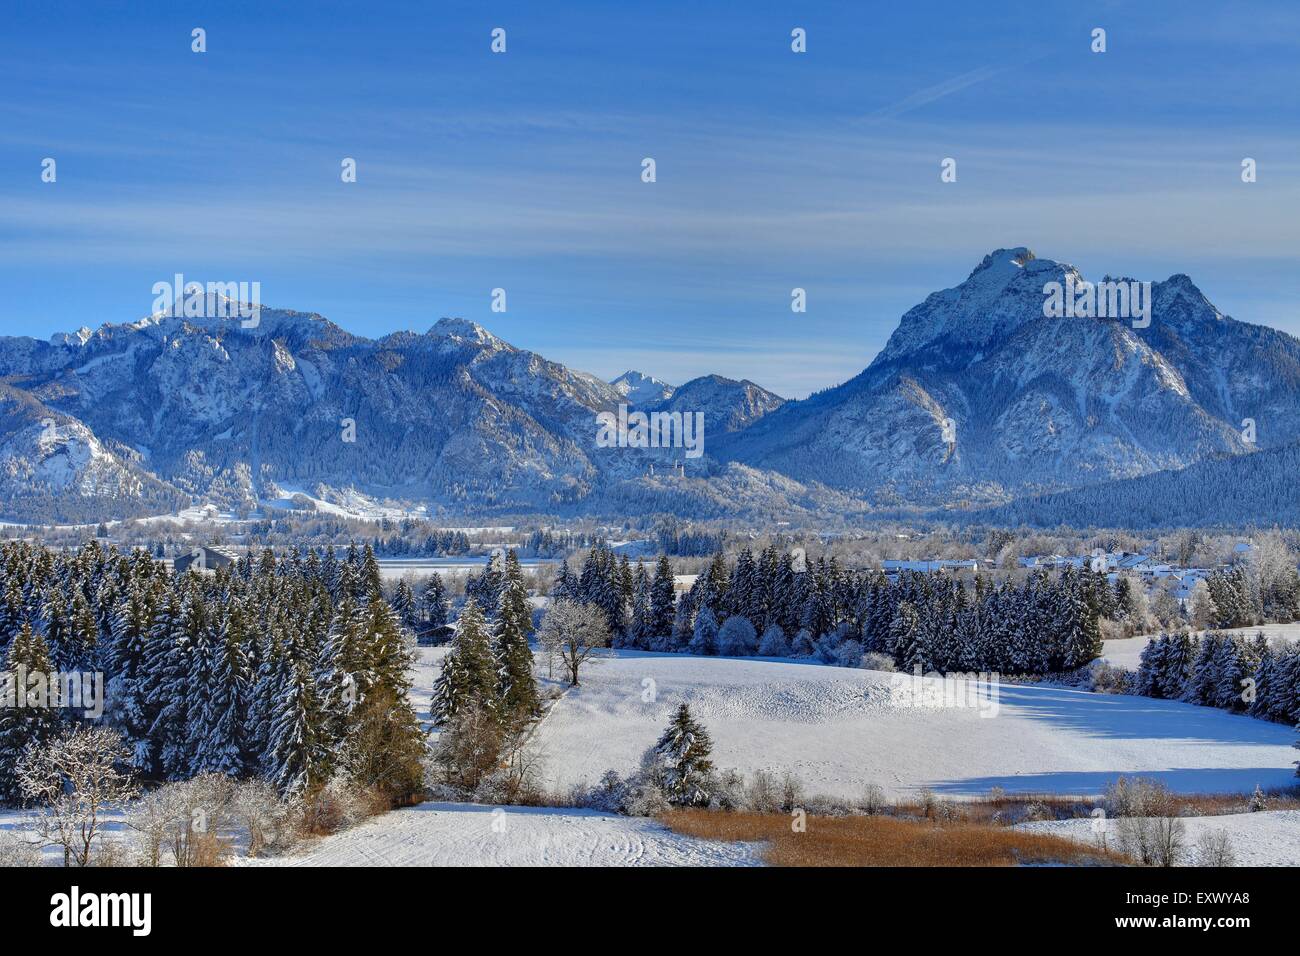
<point x="763" y="604"/>
<point x="270" y="668"/>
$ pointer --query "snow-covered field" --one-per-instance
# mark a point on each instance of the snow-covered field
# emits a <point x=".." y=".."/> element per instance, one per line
<point x="459" y="834"/>
<point x="1267" y="838"/>
<point x="1126" y="653"/>
<point x="839" y="730"/>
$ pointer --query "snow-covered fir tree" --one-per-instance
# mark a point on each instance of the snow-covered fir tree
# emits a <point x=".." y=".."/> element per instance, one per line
<point x="680" y="760"/>
<point x="517" y="689"/>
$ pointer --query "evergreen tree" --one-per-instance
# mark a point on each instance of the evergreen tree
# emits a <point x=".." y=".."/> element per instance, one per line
<point x="1151" y="666"/>
<point x="680" y="760"/>
<point x="468" y="678"/>
<point x="168" y="665"/>
<point x="1228" y="675"/>
<point x="404" y="607"/>
<point x="640" y="634"/>
<point x="1203" y="680"/>
<point x="338" y="672"/>
<point x="904" y="638"/>
<point x="27" y="717"/>
<point x="704" y="636"/>
<point x="298" y="755"/>
<point x="1180" y="650"/>
<point x="221" y="748"/>
<point x="125" y="660"/>
<point x="433" y="605"/>
<point x="662" y="600"/>
<point x="517" y="689"/>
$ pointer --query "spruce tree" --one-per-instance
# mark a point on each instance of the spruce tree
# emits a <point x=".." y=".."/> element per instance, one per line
<point x="1147" y="682"/>
<point x="681" y="761"/>
<point x="663" y="603"/>
<point x="704" y="636"/>
<point x="1202" y="681"/>
<point x="468" y="678"/>
<point x="1228" y="675"/>
<point x="517" y="689"/>
<point x="221" y="748"/>
<point x="433" y="606"/>
<point x="405" y="608"/>
<point x="298" y="754"/>
<point x="386" y="657"/>
<point x="27" y="714"/>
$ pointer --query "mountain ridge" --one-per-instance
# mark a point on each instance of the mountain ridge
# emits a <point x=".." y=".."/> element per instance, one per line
<point x="978" y="396"/>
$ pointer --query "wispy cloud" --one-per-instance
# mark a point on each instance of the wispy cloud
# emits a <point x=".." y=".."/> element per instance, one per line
<point x="937" y="92"/>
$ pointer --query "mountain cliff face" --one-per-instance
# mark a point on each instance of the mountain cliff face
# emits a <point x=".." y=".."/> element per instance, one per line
<point x="976" y="397"/>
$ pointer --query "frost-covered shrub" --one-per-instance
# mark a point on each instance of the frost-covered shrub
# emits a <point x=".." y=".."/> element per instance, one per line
<point x="263" y="815"/>
<point x="765" y="792"/>
<point x="15" y="851"/>
<point x="848" y="654"/>
<point x="610" y="794"/>
<point x="1138" y="797"/>
<point x="189" y="819"/>
<point x="704" y="637"/>
<point x="875" y="661"/>
<point x="729" y="792"/>
<point x="339" y="804"/>
<point x="792" y="791"/>
<point x="803" y="645"/>
<point x="873" y="799"/>
<point x="646" y="799"/>
<point x="1036" y="811"/>
<point x="1108" y="679"/>
<point x="947" y="811"/>
<point x="737" y="637"/>
<point x="1148" y="825"/>
<point x="774" y="643"/>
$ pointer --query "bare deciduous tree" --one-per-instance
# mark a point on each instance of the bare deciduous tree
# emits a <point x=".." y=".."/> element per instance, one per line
<point x="1148" y="825"/>
<point x="74" y="779"/>
<point x="574" y="632"/>
<point x="1215" y="849"/>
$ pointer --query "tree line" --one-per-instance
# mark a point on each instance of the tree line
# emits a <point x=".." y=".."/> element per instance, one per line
<point x="1229" y="671"/>
<point x="765" y="604"/>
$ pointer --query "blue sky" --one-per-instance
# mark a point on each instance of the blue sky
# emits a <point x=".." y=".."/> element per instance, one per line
<point x="522" y="171"/>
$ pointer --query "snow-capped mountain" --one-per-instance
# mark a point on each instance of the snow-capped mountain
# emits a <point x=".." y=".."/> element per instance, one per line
<point x="640" y="389"/>
<point x="53" y="467"/>
<point x="978" y="396"/>
<point x="728" y="405"/>
<point x="208" y="409"/>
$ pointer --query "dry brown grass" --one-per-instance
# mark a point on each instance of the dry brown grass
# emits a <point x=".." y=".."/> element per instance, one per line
<point x="1215" y="804"/>
<point x="993" y="810"/>
<point x="886" y="841"/>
